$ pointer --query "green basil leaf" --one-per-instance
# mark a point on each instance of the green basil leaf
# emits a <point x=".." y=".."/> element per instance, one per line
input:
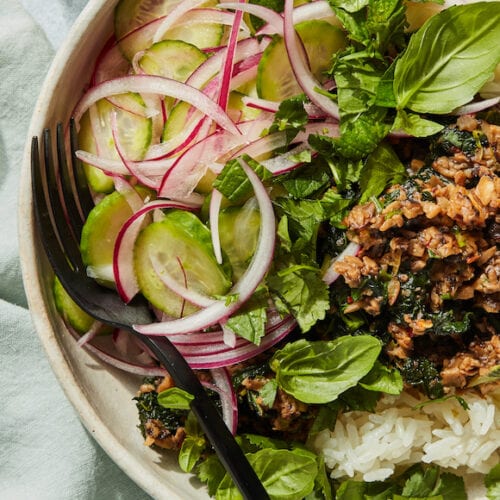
<point x="175" y="399"/>
<point x="359" y="399"/>
<point x="383" y="379"/>
<point x="449" y="58"/>
<point x="318" y="372"/>
<point x="285" y="474"/>
<point x="415" y="125"/>
<point x="382" y="168"/>
<point x="492" y="483"/>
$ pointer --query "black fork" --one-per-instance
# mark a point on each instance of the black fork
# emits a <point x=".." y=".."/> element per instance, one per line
<point x="61" y="202"/>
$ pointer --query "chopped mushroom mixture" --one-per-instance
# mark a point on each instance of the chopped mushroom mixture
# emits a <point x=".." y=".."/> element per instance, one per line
<point x="435" y="239"/>
<point x="425" y="281"/>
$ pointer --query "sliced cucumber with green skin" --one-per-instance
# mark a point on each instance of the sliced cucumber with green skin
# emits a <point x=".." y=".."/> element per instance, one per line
<point x="172" y="59"/>
<point x="238" y="233"/>
<point x="136" y="25"/>
<point x="182" y="243"/>
<point x="275" y="78"/>
<point x="99" y="235"/>
<point x="135" y="132"/>
<point x="96" y="178"/>
<point x="176" y="121"/>
<point x="72" y="314"/>
<point x="131" y="14"/>
<point x="238" y="110"/>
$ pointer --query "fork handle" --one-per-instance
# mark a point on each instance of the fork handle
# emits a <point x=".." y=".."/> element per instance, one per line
<point x="228" y="451"/>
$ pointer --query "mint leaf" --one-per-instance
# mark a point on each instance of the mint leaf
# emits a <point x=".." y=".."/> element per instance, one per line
<point x="336" y="207"/>
<point x="268" y="393"/>
<point x="319" y="371"/>
<point x="290" y="118"/>
<point x="385" y="91"/>
<point x="430" y="483"/>
<point x="303" y="216"/>
<point x="306" y="181"/>
<point x="350" y="5"/>
<point x="361" y="134"/>
<point x="449" y="59"/>
<point x="374" y="24"/>
<point x="299" y="290"/>
<point x="233" y="183"/>
<point x="211" y="472"/>
<point x="357" y="83"/>
<point x="345" y="171"/>
<point x="250" y="320"/>
<point x="422" y="483"/>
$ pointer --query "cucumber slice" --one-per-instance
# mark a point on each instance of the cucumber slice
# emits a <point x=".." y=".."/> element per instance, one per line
<point x="183" y="244"/>
<point x="99" y="235"/>
<point x="132" y="14"/>
<point x="176" y="121"/>
<point x="238" y="110"/>
<point x="72" y="314"/>
<point x="96" y="178"/>
<point x="238" y="233"/>
<point x="172" y="59"/>
<point x="135" y="135"/>
<point x="136" y="22"/>
<point x="275" y="78"/>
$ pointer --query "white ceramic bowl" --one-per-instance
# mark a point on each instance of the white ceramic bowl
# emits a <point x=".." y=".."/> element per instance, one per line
<point x="101" y="395"/>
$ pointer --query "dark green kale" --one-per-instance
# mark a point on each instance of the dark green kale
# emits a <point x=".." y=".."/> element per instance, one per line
<point x="423" y="374"/>
<point x="452" y="140"/>
<point x="413" y="296"/>
<point x="451" y="322"/>
<point x="149" y="409"/>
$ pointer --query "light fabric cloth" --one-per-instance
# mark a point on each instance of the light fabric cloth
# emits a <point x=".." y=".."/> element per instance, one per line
<point x="45" y="452"/>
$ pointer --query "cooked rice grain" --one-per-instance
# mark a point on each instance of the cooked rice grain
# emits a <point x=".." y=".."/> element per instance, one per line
<point x="372" y="446"/>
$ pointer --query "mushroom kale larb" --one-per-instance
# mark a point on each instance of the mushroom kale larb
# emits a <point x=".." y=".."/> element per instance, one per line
<point x="422" y="277"/>
<point x="428" y="268"/>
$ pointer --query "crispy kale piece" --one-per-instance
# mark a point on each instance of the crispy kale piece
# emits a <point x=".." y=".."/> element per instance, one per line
<point x="149" y="409"/>
<point x="451" y="140"/>
<point x="422" y="373"/>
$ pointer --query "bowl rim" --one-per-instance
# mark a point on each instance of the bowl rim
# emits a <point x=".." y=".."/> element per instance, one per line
<point x="29" y="262"/>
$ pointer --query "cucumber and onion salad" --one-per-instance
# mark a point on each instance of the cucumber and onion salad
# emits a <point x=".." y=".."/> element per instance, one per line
<point x="198" y="123"/>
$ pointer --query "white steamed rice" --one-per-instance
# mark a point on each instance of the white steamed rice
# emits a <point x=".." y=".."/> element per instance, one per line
<point x="372" y="446"/>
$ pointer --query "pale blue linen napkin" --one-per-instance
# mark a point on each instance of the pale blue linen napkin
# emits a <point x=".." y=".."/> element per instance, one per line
<point x="45" y="452"/>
